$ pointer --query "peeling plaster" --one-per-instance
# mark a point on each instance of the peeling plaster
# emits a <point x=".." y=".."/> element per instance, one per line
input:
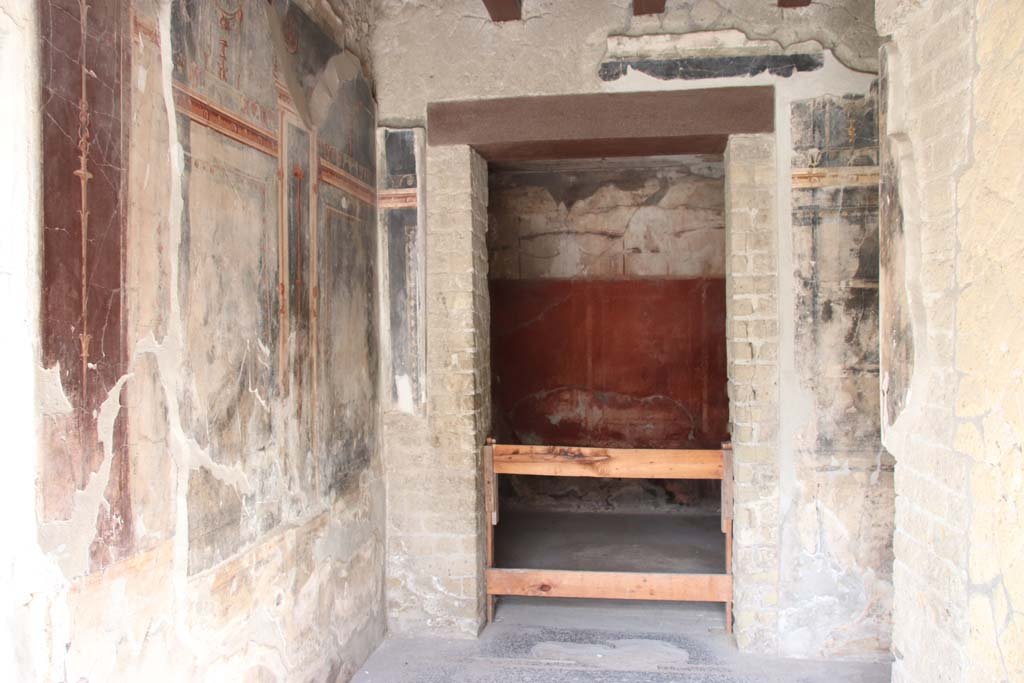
<point x="69" y="541"/>
<point x="52" y="399"/>
<point x="797" y="412"/>
<point x="271" y="607"/>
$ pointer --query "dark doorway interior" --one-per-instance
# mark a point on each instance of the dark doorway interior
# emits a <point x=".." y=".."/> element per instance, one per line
<point x="607" y="289"/>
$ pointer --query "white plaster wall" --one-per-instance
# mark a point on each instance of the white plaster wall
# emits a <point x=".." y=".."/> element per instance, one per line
<point x="23" y="569"/>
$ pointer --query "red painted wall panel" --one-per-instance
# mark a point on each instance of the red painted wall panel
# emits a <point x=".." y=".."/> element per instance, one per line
<point x="627" y="363"/>
<point x="84" y="58"/>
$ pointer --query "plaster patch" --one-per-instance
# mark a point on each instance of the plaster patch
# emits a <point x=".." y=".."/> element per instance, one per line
<point x="51" y="397"/>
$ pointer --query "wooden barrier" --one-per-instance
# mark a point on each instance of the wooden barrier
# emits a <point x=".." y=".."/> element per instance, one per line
<point x="633" y="463"/>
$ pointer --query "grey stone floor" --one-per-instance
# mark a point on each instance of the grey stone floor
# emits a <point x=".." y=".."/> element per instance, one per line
<point x="569" y="641"/>
<point x="599" y="541"/>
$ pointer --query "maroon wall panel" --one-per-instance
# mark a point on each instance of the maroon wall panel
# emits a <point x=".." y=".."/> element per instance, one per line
<point x="630" y="363"/>
<point x="83" y="52"/>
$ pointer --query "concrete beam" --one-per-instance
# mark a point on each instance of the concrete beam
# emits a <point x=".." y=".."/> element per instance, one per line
<point x="602" y="125"/>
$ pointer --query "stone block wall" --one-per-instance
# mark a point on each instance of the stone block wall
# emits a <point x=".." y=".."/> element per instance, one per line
<point x="752" y="330"/>
<point x="925" y="129"/>
<point x="950" y="230"/>
<point x="435" y="512"/>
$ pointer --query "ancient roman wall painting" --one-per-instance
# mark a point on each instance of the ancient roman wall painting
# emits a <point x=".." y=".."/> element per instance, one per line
<point x="346" y="246"/>
<point x="276" y="271"/>
<point x="228" y="285"/>
<point x="279" y="294"/>
<point x="400" y="205"/>
<point x="84" y="62"/>
<point x="841" y="476"/>
<point x="835" y="226"/>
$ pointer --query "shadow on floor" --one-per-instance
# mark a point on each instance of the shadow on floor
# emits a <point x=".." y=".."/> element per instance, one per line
<point x="569" y="641"/>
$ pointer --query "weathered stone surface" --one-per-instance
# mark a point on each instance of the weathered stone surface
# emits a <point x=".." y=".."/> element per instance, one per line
<point x="989" y="362"/>
<point x="836" y="580"/>
<point x="952" y="418"/>
<point x="695" y="68"/>
<point x="560" y="44"/>
<point x="586" y="221"/>
<point x="751" y="242"/>
<point x="927" y="132"/>
<point x="435" y="513"/>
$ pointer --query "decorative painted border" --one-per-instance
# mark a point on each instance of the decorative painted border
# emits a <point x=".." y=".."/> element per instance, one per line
<point x="841" y="176"/>
<point x="210" y="115"/>
<point x="397" y="199"/>
<point x="346" y="182"/>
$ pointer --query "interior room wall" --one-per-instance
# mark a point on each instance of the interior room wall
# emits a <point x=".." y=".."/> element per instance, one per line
<point x="809" y="525"/>
<point x="210" y="493"/>
<point x="607" y="284"/>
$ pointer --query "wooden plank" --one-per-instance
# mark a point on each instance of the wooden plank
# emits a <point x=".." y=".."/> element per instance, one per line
<point x="491" y="508"/>
<point x="490" y="483"/>
<point x="648" y="7"/>
<point x="611" y="585"/>
<point x="631" y="463"/>
<point x="504" y="10"/>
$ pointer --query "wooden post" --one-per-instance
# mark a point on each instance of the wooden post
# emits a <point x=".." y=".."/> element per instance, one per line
<point x="727" y="517"/>
<point x="491" y="508"/>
